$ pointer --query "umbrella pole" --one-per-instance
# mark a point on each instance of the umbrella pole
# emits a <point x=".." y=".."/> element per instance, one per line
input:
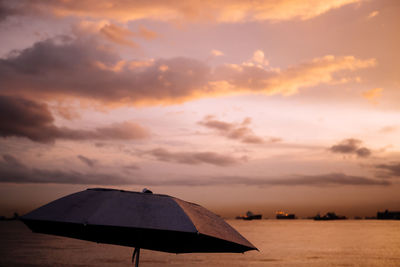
<point x="136" y="253"/>
<point x="137" y="258"/>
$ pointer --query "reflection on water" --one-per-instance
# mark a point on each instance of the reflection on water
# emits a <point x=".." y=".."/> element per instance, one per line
<point x="281" y="243"/>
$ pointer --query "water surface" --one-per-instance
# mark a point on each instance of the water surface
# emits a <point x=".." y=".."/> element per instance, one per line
<point x="281" y="243"/>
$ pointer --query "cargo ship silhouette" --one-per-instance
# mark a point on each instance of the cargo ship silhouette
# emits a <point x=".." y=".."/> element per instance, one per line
<point x="329" y="216"/>
<point x="280" y="215"/>
<point x="250" y="216"/>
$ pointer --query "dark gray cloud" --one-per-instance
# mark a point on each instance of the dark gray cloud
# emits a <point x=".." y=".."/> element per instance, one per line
<point x="13" y="171"/>
<point x="9" y="8"/>
<point x="239" y="131"/>
<point x="351" y="146"/>
<point x="392" y="169"/>
<point x="329" y="179"/>
<point x="87" y="161"/>
<point x="363" y="152"/>
<point x="84" y="68"/>
<point x="322" y="180"/>
<point x="194" y="158"/>
<point x="12" y="161"/>
<point x="131" y="167"/>
<point x="26" y="118"/>
<point x="5" y="10"/>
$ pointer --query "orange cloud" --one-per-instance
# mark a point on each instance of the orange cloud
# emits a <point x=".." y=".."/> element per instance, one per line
<point x="118" y="35"/>
<point x="373" y="14"/>
<point x="194" y="10"/>
<point x="216" y="53"/>
<point x="146" y="33"/>
<point x="112" y="32"/>
<point x="246" y="78"/>
<point x="373" y="95"/>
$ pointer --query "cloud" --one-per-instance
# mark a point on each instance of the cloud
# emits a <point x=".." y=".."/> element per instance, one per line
<point x="192" y="10"/>
<point x="316" y="180"/>
<point x="373" y="95"/>
<point x="388" y="129"/>
<point x="146" y="33"/>
<point x="13" y="171"/>
<point x="238" y="131"/>
<point x="12" y="161"/>
<point x="194" y="158"/>
<point x="118" y="35"/>
<point x="259" y="58"/>
<point x="216" y="53"/>
<point x="26" y="118"/>
<point x="247" y="77"/>
<point x="83" y="68"/>
<point x="87" y="161"/>
<point x="131" y="167"/>
<point x="373" y="14"/>
<point x="113" y="32"/>
<point x="122" y="131"/>
<point x="6" y="10"/>
<point x="351" y="146"/>
<point x="66" y="112"/>
<point x="392" y="169"/>
<point x="322" y="180"/>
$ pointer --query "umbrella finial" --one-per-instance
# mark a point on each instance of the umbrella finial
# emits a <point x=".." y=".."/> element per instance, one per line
<point x="145" y="190"/>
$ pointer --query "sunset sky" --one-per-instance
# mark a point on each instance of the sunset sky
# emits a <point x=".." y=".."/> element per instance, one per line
<point x="235" y="105"/>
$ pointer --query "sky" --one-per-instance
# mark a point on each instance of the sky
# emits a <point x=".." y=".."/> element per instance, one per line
<point x="234" y="105"/>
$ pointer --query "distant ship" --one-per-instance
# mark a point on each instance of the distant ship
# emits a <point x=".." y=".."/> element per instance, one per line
<point x="329" y="216"/>
<point x="250" y="216"/>
<point x="388" y="215"/>
<point x="280" y="215"/>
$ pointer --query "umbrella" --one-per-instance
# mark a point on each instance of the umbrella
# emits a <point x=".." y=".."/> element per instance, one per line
<point x="139" y="220"/>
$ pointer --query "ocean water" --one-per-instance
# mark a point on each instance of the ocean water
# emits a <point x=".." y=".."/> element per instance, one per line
<point x="281" y="243"/>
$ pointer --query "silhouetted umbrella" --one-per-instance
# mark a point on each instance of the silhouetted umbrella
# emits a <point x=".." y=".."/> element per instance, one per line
<point x="140" y="220"/>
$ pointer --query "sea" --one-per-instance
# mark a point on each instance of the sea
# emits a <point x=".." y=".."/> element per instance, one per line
<point x="280" y="243"/>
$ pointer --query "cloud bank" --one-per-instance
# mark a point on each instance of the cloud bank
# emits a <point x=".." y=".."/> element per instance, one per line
<point x="86" y="69"/>
<point x="322" y="180"/>
<point x="192" y="10"/>
<point x="13" y="171"/>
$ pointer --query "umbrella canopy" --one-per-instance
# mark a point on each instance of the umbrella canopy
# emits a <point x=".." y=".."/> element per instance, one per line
<point x="141" y="220"/>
